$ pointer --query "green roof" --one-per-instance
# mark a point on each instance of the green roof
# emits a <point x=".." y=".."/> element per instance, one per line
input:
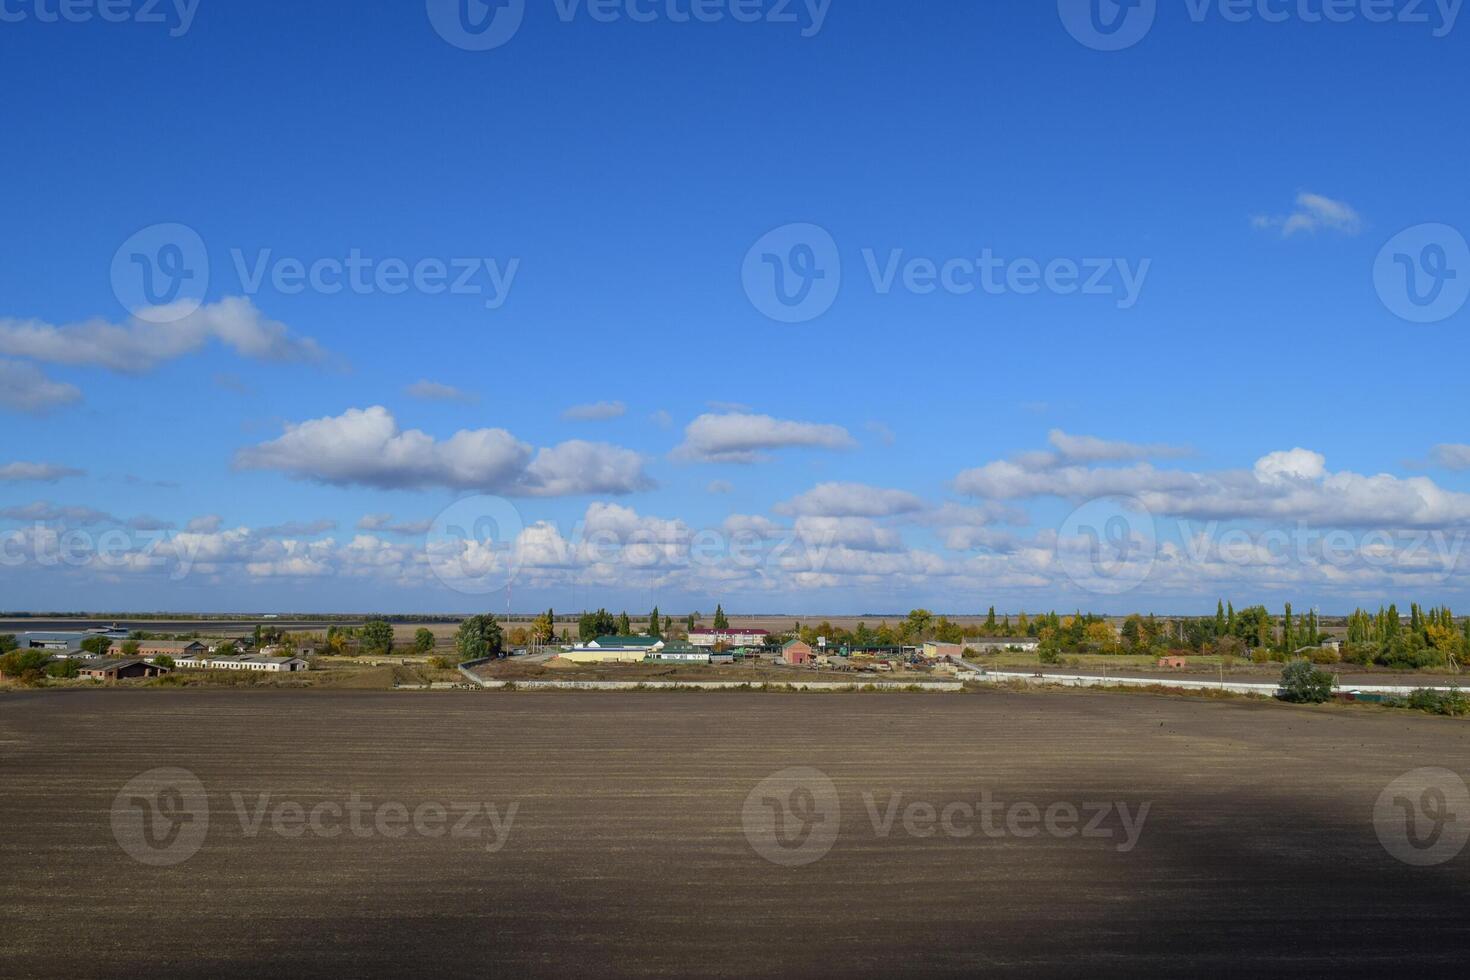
<point x="790" y="643"/>
<point x="626" y="641"/>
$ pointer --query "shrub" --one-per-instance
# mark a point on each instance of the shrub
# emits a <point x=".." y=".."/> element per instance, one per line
<point x="1454" y="703"/>
<point x="1325" y="655"/>
<point x="1301" y="683"/>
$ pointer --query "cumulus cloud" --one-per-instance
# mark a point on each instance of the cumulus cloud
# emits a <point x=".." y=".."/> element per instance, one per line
<point x="206" y="524"/>
<point x="1290" y="484"/>
<point x="365" y="447"/>
<point x="1313" y="213"/>
<point x="23" y="388"/>
<point x="720" y="487"/>
<point x="433" y="391"/>
<point x="738" y="438"/>
<point x="36" y="472"/>
<point x="851" y="500"/>
<point x="141" y="344"/>
<point x="596" y="412"/>
<point x="854" y="533"/>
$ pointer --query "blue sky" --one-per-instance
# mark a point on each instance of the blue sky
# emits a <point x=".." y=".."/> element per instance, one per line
<point x="1248" y="176"/>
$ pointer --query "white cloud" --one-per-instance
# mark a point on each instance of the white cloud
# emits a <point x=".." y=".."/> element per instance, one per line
<point x="1090" y="449"/>
<point x="141" y="344"/>
<point x="854" y="533"/>
<point x="752" y="525"/>
<point x="1451" y="456"/>
<point x="1286" y="485"/>
<point x="596" y="412"/>
<point x="45" y="511"/>
<point x="365" y="447"/>
<point x="662" y="419"/>
<point x="433" y="391"/>
<point x="577" y="467"/>
<point x="384" y="522"/>
<point x="207" y="524"/>
<point x="1313" y="213"/>
<point x="23" y="388"/>
<point x="720" y="487"/>
<point x="746" y="438"/>
<point x="851" y="500"/>
<point x="36" y="472"/>
<point x="298" y="529"/>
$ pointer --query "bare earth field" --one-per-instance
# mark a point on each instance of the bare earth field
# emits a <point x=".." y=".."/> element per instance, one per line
<point x="629" y="850"/>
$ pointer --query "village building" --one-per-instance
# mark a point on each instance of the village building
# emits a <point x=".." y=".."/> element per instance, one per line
<point x="728" y="638"/>
<point x="110" y="671"/>
<point x="997" y="644"/>
<point x="796" y="653"/>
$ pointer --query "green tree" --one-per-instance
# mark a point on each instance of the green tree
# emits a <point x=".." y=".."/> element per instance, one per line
<point x="479" y="637"/>
<point x="990" y="622"/>
<point x="1221" y="626"/>
<point x="8" y="642"/>
<point x="130" y="648"/>
<point x="1288" y="633"/>
<point x="655" y="623"/>
<point x="377" y="637"/>
<point x="65" y="669"/>
<point x="164" y="661"/>
<point x="423" y="641"/>
<point x="25" y="666"/>
<point x="1302" y="683"/>
<point x="625" y="625"/>
<point x="721" y="623"/>
<point x="97" y="645"/>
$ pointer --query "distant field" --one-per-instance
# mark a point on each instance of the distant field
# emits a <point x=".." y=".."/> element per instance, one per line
<point x="629" y="852"/>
